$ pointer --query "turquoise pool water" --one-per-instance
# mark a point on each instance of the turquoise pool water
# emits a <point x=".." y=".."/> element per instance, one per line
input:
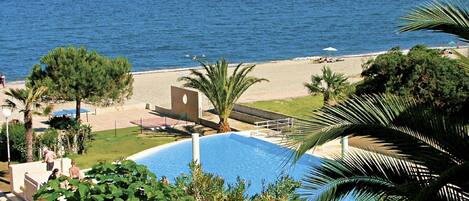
<point x="230" y="155"/>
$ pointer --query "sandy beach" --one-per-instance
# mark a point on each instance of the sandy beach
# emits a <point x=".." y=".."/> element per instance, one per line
<point x="285" y="77"/>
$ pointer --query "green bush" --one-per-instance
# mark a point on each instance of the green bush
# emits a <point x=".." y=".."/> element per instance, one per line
<point x="127" y="180"/>
<point x="124" y="180"/>
<point x="62" y="122"/>
<point x="49" y="139"/>
<point x="17" y="142"/>
<point x="282" y="190"/>
<point x="422" y="73"/>
<point x="210" y="187"/>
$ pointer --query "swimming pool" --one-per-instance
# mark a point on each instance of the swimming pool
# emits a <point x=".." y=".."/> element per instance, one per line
<point x="228" y="155"/>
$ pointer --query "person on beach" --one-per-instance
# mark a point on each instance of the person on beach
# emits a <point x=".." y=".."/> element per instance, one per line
<point x="49" y="157"/>
<point x="74" y="171"/>
<point x="2" y="79"/>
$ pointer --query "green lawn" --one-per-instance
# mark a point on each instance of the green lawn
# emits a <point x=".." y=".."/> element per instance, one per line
<point x="299" y="107"/>
<point x="128" y="141"/>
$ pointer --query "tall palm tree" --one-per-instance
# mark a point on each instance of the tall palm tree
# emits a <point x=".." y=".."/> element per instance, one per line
<point x="28" y="102"/>
<point x="424" y="154"/>
<point x="335" y="85"/>
<point x="221" y="89"/>
<point x="447" y="17"/>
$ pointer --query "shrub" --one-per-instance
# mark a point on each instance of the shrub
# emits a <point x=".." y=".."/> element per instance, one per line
<point x="210" y="187"/>
<point x="282" y="190"/>
<point x="17" y="142"/>
<point x="62" y="122"/>
<point x="124" y="180"/>
<point x="422" y="73"/>
<point x="127" y="180"/>
<point x="48" y="139"/>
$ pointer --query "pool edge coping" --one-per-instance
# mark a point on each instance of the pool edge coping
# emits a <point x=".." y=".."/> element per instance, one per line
<point x="157" y="148"/>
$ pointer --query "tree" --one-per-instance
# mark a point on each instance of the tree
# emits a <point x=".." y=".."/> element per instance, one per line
<point x="446" y="17"/>
<point x="75" y="74"/>
<point x="425" y="152"/>
<point x="27" y="100"/>
<point x="422" y="73"/>
<point x="221" y="90"/>
<point x="335" y="85"/>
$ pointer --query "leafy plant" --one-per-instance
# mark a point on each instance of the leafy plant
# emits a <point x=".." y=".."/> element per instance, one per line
<point x="221" y="89"/>
<point x="62" y="122"/>
<point x="283" y="189"/>
<point x="422" y="74"/>
<point x="17" y="143"/>
<point x="124" y="180"/>
<point x="209" y="187"/>
<point x="76" y="138"/>
<point x="49" y="138"/>
<point x="422" y="152"/>
<point x="331" y="85"/>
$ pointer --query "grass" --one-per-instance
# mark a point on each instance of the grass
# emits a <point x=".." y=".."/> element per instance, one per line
<point x="128" y="141"/>
<point x="300" y="107"/>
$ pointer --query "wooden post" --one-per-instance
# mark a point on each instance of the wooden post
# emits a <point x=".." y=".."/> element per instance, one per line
<point x="141" y="125"/>
<point x="115" y="128"/>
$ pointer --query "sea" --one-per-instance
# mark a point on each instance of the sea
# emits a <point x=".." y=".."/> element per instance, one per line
<point x="167" y="34"/>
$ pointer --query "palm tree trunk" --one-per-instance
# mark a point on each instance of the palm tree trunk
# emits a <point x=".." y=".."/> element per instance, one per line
<point x="28" y="126"/>
<point x="77" y="108"/>
<point x="223" y="125"/>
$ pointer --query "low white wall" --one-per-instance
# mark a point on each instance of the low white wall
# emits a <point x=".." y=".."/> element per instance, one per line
<point x="32" y="169"/>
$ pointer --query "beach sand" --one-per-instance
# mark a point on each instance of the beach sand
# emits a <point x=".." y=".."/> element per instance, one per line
<point x="285" y="77"/>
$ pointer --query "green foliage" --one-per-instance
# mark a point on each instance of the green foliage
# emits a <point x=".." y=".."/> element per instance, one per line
<point x="210" y="187"/>
<point x="17" y="143"/>
<point x="75" y="74"/>
<point x="49" y="138"/>
<point x="335" y="87"/>
<point x="282" y="190"/>
<point x="62" y="122"/>
<point x="221" y="89"/>
<point x="423" y="153"/>
<point x="77" y="138"/>
<point x="124" y="180"/>
<point x="422" y="74"/>
<point x="446" y="16"/>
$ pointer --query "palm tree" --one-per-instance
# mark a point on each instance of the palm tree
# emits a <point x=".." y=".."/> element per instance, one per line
<point x="446" y="17"/>
<point x="335" y="85"/>
<point x="424" y="153"/>
<point x="221" y="90"/>
<point x="29" y="100"/>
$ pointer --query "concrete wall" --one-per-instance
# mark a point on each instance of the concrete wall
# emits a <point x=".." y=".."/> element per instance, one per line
<point x="18" y="172"/>
<point x="186" y="103"/>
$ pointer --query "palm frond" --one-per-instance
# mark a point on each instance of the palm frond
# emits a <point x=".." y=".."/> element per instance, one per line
<point x="364" y="174"/>
<point x="399" y="124"/>
<point x="447" y="17"/>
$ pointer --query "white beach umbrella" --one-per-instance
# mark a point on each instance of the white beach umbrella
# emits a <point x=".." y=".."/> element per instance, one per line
<point x="330" y="49"/>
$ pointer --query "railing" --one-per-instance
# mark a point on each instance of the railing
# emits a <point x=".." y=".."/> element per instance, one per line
<point x="273" y="127"/>
<point x="276" y="124"/>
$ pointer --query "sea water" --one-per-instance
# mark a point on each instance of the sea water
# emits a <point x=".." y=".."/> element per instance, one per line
<point x="168" y="34"/>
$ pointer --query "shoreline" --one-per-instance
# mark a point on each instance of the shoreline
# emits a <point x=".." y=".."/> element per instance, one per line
<point x="179" y="69"/>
